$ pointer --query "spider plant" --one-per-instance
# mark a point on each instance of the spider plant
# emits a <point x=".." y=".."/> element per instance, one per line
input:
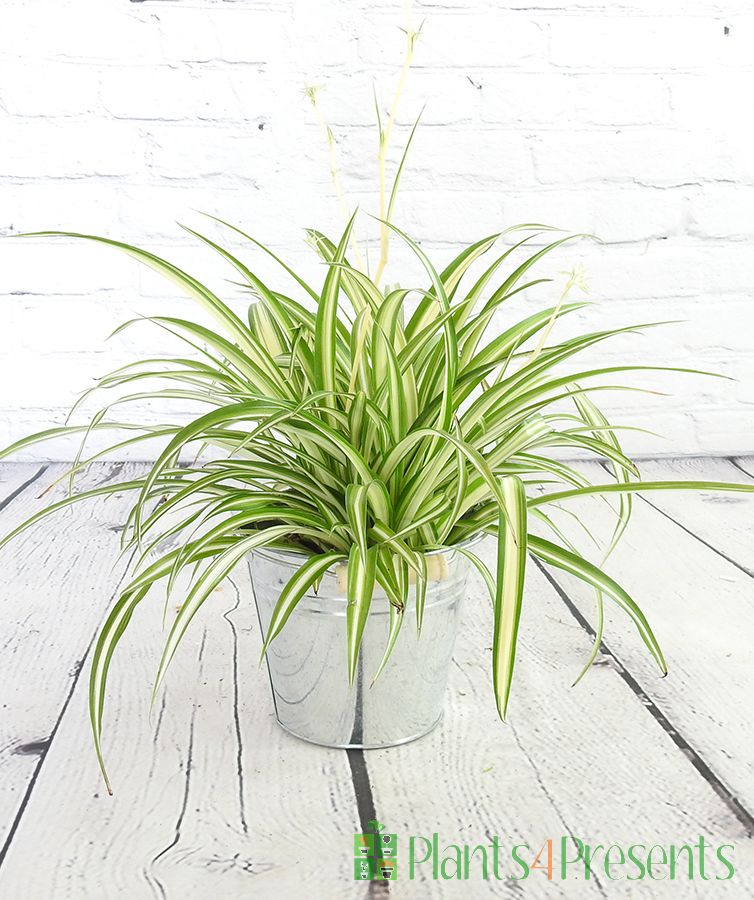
<point x="357" y="432"/>
<point x="365" y="427"/>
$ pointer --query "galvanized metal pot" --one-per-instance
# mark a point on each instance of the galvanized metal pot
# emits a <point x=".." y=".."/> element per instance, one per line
<point x="307" y="660"/>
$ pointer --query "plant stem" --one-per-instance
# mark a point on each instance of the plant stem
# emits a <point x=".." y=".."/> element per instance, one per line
<point x="575" y="279"/>
<point x="311" y="93"/>
<point x="384" y="136"/>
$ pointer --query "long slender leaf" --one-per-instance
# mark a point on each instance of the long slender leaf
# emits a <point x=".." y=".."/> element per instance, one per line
<point x="511" y="569"/>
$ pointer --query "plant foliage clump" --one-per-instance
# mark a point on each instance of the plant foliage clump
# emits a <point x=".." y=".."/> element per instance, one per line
<point x="365" y="426"/>
<point x="353" y="431"/>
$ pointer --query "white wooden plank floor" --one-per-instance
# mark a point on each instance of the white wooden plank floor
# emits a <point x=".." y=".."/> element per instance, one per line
<point x="212" y="799"/>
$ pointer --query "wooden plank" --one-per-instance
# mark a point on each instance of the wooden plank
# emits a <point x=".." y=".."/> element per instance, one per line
<point x="590" y="762"/>
<point x="294" y="802"/>
<point x="724" y="521"/>
<point x="211" y="797"/>
<point x="745" y="464"/>
<point x="15" y="478"/>
<point x="701" y="608"/>
<point x="57" y="581"/>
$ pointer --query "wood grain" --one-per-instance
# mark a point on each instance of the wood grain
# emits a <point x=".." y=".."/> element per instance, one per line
<point x="700" y="606"/>
<point x="724" y="521"/>
<point x="213" y="798"/>
<point x="589" y="762"/>
<point x="744" y="463"/>
<point x="210" y="796"/>
<point x="57" y="581"/>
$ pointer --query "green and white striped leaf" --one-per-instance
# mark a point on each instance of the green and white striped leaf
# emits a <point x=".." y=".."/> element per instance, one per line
<point x="511" y="570"/>
<point x="306" y="576"/>
<point x="362" y="569"/>
<point x="351" y="423"/>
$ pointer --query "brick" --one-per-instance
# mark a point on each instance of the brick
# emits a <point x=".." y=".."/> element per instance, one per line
<point x="649" y="156"/>
<point x="84" y="30"/>
<point x="67" y="148"/>
<point x="714" y="435"/>
<point x="240" y="93"/>
<point x="187" y="91"/>
<point x="710" y="99"/>
<point x="641" y="42"/>
<point x="442" y="157"/>
<point x="230" y="33"/>
<point x="624" y="119"/>
<point x="160" y="92"/>
<point x="48" y="89"/>
<point x="724" y="211"/>
<point x="86" y="205"/>
<point x="199" y="151"/>
<point x="670" y="268"/>
<point x="565" y="98"/>
<point x="483" y="38"/>
<point x="34" y="324"/>
<point x="610" y="213"/>
<point x="59" y="266"/>
<point x="448" y="97"/>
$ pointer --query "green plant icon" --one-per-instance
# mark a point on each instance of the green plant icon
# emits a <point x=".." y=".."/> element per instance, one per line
<point x="386" y="869"/>
<point x="387" y="844"/>
<point x="375" y="854"/>
<point x="363" y="845"/>
<point x="363" y="869"/>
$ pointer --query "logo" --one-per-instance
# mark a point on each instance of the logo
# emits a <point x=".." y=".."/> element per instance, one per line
<point x="556" y="859"/>
<point x="375" y="854"/>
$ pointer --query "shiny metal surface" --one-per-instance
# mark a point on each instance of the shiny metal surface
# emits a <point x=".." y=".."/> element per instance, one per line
<point x="307" y="660"/>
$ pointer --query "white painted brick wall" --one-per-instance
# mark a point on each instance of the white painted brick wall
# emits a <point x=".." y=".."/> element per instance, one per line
<point x="631" y="119"/>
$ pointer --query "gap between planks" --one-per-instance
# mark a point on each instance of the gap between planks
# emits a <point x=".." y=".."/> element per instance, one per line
<point x="167" y="852"/>
<point x="41" y="747"/>
<point x="684" y="744"/>
<point x="357" y="760"/>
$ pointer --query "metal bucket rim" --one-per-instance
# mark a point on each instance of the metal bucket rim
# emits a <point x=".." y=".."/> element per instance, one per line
<point x="284" y="556"/>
